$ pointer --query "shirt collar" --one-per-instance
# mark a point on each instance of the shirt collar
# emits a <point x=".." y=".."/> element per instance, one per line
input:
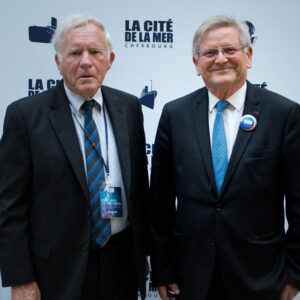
<point x="76" y="100"/>
<point x="237" y="100"/>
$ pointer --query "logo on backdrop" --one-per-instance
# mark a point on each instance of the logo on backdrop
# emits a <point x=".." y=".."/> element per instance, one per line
<point x="251" y="29"/>
<point x="149" y="153"/>
<point x="253" y="38"/>
<point x="147" y="97"/>
<point x="36" y="86"/>
<point x="262" y="85"/>
<point x="151" y="291"/>
<point x="149" y="34"/>
<point x="40" y="34"/>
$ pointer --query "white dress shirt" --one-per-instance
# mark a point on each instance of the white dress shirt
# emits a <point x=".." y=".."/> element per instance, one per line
<point x="112" y="160"/>
<point x="231" y="115"/>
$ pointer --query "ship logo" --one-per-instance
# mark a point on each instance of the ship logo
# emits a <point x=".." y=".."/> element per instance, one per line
<point x="147" y="97"/>
<point x="253" y="38"/>
<point x="251" y="29"/>
<point x="40" y="34"/>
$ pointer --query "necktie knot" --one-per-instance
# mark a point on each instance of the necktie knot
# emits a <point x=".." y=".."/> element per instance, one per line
<point x="88" y="105"/>
<point x="221" y="105"/>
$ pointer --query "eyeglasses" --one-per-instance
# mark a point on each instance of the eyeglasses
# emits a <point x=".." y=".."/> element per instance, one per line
<point x="228" y="51"/>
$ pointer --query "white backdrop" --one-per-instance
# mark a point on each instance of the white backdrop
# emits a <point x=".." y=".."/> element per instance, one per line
<point x="160" y="56"/>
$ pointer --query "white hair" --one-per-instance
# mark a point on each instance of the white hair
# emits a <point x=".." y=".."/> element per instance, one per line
<point x="75" y="21"/>
<point x="221" y="21"/>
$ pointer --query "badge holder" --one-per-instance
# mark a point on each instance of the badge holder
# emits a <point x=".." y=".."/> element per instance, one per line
<point x="110" y="200"/>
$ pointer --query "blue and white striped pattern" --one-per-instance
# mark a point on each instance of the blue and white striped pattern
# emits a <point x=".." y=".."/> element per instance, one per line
<point x="101" y="228"/>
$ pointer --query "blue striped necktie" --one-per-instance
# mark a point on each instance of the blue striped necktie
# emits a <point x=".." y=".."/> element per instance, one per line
<point x="219" y="146"/>
<point x="101" y="228"/>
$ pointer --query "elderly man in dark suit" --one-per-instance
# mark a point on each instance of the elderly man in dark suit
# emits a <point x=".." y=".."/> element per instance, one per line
<point x="229" y="152"/>
<point x="73" y="181"/>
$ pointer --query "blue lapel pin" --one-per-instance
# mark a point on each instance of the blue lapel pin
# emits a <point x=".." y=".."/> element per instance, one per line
<point x="248" y="122"/>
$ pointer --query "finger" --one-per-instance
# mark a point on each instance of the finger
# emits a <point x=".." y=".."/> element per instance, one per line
<point x="284" y="294"/>
<point x="292" y="292"/>
<point x="174" y="287"/>
<point x="162" y="291"/>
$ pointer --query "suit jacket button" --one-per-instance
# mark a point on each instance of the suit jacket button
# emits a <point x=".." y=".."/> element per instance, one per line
<point x="86" y="246"/>
<point x="218" y="207"/>
<point x="212" y="242"/>
<point x="88" y="213"/>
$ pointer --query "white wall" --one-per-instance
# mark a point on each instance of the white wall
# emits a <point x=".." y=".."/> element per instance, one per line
<point x="25" y="64"/>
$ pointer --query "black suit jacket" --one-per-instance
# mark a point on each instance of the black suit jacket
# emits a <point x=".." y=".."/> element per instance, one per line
<point x="44" y="206"/>
<point x="243" y="227"/>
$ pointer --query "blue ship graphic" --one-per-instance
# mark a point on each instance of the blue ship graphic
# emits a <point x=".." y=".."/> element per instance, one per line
<point x="147" y="97"/>
<point x="251" y="29"/>
<point x="41" y="34"/>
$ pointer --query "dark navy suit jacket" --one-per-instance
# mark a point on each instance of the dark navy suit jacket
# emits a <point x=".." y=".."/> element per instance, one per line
<point x="243" y="227"/>
<point x="44" y="206"/>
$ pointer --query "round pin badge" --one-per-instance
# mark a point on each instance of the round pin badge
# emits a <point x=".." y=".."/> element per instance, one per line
<point x="248" y="122"/>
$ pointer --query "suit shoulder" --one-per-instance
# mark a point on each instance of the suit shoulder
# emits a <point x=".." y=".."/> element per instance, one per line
<point x="272" y="99"/>
<point x="32" y="102"/>
<point x="119" y="93"/>
<point x="180" y="103"/>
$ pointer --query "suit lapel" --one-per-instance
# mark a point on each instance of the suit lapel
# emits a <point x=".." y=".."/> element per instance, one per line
<point x="200" y="112"/>
<point x="62" y="122"/>
<point x="252" y="107"/>
<point x="117" y="115"/>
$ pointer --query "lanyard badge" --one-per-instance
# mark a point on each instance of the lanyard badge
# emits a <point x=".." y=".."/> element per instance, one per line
<point x="110" y="200"/>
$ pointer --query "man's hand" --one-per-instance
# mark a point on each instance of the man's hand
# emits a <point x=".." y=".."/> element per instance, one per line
<point x="163" y="291"/>
<point x="288" y="293"/>
<point x="28" y="291"/>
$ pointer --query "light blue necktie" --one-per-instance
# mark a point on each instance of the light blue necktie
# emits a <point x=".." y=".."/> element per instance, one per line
<point x="219" y="146"/>
<point x="101" y="228"/>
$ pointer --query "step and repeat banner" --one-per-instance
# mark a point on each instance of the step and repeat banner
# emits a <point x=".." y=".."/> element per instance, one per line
<point x="152" y="40"/>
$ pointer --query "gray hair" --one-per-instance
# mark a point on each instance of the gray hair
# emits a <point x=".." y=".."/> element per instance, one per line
<point x="221" y="21"/>
<point x="75" y="21"/>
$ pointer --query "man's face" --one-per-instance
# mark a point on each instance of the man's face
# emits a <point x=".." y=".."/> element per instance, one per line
<point x="84" y="59"/>
<point x="223" y="71"/>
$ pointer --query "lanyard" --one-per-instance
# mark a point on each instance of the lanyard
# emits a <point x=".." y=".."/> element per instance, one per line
<point x="106" y="166"/>
<point x="106" y="140"/>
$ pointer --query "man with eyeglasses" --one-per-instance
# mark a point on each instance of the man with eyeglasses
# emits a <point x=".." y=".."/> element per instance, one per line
<point x="229" y="153"/>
